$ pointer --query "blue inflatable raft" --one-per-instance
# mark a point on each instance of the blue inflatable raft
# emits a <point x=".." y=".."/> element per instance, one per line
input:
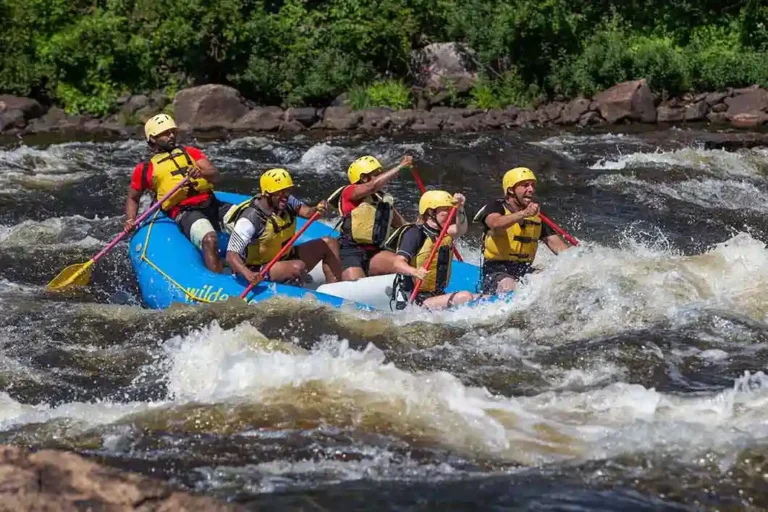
<point x="170" y="269"/>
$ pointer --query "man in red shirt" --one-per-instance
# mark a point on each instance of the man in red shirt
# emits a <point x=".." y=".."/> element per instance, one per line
<point x="368" y="218"/>
<point x="194" y="206"/>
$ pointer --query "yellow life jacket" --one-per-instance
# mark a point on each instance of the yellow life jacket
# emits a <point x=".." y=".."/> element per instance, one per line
<point x="439" y="270"/>
<point x="369" y="223"/>
<point x="278" y="229"/>
<point x="518" y="243"/>
<point x="168" y="169"/>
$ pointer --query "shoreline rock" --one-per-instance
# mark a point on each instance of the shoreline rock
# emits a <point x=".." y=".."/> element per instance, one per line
<point x="56" y="480"/>
<point x="222" y="109"/>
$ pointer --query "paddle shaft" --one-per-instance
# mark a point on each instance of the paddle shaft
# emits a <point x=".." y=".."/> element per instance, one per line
<point x="423" y="189"/>
<point x="139" y="220"/>
<point x="282" y="252"/>
<point x="432" y="254"/>
<point x="557" y="229"/>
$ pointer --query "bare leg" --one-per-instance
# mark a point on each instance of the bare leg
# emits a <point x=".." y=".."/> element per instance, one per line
<point x="287" y="270"/>
<point x="210" y="245"/>
<point x="449" y="299"/>
<point x="325" y="249"/>
<point x="508" y="284"/>
<point x="352" y="274"/>
<point x="382" y="263"/>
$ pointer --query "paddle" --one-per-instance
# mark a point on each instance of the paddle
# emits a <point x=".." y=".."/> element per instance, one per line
<point x="280" y="254"/>
<point x="435" y="247"/>
<point x="557" y="229"/>
<point x="79" y="274"/>
<point x="423" y="189"/>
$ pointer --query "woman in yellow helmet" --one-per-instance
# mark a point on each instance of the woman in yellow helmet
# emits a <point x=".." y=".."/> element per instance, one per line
<point x="414" y="244"/>
<point x="194" y="207"/>
<point x="513" y="229"/>
<point x="260" y="226"/>
<point x="368" y="218"/>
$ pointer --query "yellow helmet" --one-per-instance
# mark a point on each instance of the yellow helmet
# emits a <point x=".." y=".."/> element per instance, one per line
<point x="275" y="180"/>
<point x="515" y="176"/>
<point x="158" y="124"/>
<point x="435" y="199"/>
<point x="362" y="165"/>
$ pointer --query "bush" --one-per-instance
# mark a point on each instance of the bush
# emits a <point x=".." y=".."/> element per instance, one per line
<point x="389" y="93"/>
<point x="508" y="89"/>
<point x="83" y="53"/>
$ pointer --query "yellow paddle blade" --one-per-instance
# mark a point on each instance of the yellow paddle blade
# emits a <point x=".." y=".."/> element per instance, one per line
<point x="74" y="275"/>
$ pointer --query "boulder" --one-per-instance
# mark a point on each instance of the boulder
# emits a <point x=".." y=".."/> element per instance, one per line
<point x="493" y="119"/>
<point x="628" y="100"/>
<point x="590" y="118"/>
<point x="375" y="119"/>
<point x="714" y="98"/>
<point x="10" y="119"/>
<point x="208" y="107"/>
<point x="260" y="119"/>
<point x="306" y="116"/>
<point x="670" y="114"/>
<point x="717" y="118"/>
<point x="749" y="120"/>
<point x="428" y="122"/>
<point x="134" y="104"/>
<point x="574" y="110"/>
<point x="29" y="107"/>
<point x="159" y="99"/>
<point x="144" y="114"/>
<point x="340" y="118"/>
<point x="527" y="118"/>
<point x="696" y="112"/>
<point x="753" y="102"/>
<point x="442" y="69"/>
<point x="402" y="119"/>
<point x="59" y="481"/>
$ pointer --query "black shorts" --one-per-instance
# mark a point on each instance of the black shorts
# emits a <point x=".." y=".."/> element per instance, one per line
<point x="213" y="212"/>
<point x="495" y="271"/>
<point x="353" y="255"/>
<point x="292" y="254"/>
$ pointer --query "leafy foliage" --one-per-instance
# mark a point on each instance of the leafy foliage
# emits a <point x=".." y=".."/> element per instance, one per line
<point x="84" y="54"/>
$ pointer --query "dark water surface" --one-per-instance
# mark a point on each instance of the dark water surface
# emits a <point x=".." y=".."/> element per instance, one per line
<point x="627" y="374"/>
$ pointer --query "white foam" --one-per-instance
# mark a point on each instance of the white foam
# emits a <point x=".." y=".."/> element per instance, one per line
<point x="716" y="161"/>
<point x="71" y="231"/>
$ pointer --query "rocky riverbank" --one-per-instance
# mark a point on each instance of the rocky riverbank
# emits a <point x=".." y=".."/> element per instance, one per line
<point x="222" y="109"/>
<point x="54" y="480"/>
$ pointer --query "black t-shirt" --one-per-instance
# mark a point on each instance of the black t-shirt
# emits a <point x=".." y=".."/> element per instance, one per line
<point x="498" y="207"/>
<point x="413" y="239"/>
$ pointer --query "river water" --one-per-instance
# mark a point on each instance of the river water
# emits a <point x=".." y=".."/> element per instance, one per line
<point x="626" y="375"/>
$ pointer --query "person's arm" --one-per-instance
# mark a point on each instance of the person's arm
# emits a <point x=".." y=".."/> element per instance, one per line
<point x="237" y="248"/>
<point x="397" y="219"/>
<point x="305" y="211"/>
<point x="459" y="228"/>
<point x="499" y="223"/>
<point x="410" y="243"/>
<point x="362" y="190"/>
<point x="402" y="266"/>
<point x="203" y="167"/>
<point x="135" y="189"/>
<point x="131" y="208"/>
<point x="556" y="244"/>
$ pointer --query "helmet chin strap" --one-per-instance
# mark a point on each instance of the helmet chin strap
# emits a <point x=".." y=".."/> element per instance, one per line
<point x="514" y="198"/>
<point x="433" y="216"/>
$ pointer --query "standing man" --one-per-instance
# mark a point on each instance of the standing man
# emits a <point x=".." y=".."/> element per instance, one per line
<point x="194" y="207"/>
<point x="513" y="229"/>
